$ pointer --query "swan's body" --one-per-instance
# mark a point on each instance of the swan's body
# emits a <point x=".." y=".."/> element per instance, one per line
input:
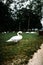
<point x="16" y="38"/>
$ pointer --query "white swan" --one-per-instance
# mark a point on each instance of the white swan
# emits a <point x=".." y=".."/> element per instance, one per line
<point x="16" y="38"/>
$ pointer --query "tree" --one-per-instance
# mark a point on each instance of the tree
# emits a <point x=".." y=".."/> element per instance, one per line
<point x="14" y="6"/>
<point x="5" y="19"/>
<point x="29" y="9"/>
<point x="32" y="5"/>
<point x="22" y="18"/>
<point x="3" y="15"/>
<point x="27" y="19"/>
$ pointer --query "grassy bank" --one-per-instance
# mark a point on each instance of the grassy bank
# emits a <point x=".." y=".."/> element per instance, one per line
<point x="20" y="52"/>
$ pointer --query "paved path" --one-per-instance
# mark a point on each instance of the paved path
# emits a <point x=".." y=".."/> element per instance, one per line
<point x="37" y="57"/>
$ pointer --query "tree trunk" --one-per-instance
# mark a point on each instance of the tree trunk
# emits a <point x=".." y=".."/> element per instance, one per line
<point x="28" y="23"/>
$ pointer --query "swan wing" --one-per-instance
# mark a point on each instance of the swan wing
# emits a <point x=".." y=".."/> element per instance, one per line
<point x="15" y="38"/>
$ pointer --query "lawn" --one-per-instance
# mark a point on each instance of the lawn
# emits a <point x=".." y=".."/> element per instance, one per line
<point x="18" y="53"/>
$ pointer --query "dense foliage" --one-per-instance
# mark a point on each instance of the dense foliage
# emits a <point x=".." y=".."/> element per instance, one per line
<point x="20" y="18"/>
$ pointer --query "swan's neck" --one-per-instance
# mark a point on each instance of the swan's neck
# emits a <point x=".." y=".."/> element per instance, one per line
<point x="18" y="34"/>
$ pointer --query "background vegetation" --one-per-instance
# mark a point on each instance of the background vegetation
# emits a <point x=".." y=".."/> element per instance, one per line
<point x="20" y="18"/>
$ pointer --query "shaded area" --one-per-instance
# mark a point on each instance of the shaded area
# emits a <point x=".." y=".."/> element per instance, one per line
<point x="25" y="19"/>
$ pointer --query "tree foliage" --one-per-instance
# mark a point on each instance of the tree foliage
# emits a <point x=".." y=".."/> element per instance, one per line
<point x="20" y="14"/>
<point x="5" y="19"/>
<point x="28" y="19"/>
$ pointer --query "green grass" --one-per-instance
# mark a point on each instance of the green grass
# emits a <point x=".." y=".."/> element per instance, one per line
<point x="22" y="50"/>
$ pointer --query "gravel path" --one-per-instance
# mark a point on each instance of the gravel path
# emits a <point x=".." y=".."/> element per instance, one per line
<point x="37" y="57"/>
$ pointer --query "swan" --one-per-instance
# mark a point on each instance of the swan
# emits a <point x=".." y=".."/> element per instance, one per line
<point x="16" y="38"/>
